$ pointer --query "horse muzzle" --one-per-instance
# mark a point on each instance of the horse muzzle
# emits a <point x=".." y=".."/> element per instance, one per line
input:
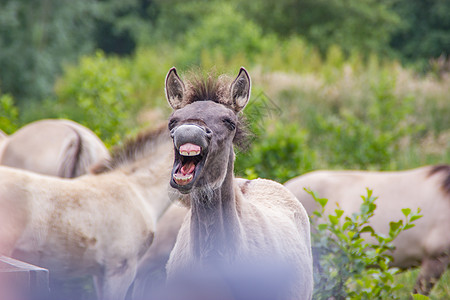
<point x="191" y="147"/>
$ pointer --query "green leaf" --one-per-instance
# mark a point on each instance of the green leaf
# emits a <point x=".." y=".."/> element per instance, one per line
<point x="339" y="212"/>
<point x="408" y="226"/>
<point x="322" y="227"/>
<point x="420" y="297"/>
<point x="322" y="201"/>
<point x="415" y="217"/>
<point x="394" y="226"/>
<point x="368" y="229"/>
<point x="406" y="211"/>
<point x="333" y="219"/>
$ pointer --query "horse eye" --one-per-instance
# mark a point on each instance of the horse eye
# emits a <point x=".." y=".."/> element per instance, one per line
<point x="229" y="123"/>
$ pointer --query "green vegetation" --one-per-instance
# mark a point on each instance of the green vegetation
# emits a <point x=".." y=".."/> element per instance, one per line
<point x="347" y="248"/>
<point x="336" y="84"/>
<point x="9" y="116"/>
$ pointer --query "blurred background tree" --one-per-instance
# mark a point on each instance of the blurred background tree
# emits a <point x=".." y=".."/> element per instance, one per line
<point x="38" y="38"/>
<point x="362" y="25"/>
<point x="425" y="30"/>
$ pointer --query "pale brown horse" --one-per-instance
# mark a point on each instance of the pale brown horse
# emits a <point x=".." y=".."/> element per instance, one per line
<point x="97" y="224"/>
<point x="3" y="135"/>
<point x="151" y="274"/>
<point x="241" y="239"/>
<point x="56" y="147"/>
<point x="427" y="244"/>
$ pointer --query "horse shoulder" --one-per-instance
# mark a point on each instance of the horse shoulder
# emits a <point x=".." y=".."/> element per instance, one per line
<point x="270" y="194"/>
<point x="274" y="208"/>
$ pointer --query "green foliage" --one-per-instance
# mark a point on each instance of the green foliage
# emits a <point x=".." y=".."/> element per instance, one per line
<point x="425" y="32"/>
<point x="36" y="38"/>
<point x="9" y="117"/>
<point x="353" y="259"/>
<point x="97" y="93"/>
<point x="122" y="25"/>
<point x="279" y="151"/>
<point x="362" y="25"/>
<point x="369" y="137"/>
<point x="420" y="297"/>
<point x="223" y="30"/>
<point x="174" y="18"/>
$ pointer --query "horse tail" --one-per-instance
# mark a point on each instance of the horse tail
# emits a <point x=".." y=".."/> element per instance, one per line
<point x="445" y="169"/>
<point x="69" y="166"/>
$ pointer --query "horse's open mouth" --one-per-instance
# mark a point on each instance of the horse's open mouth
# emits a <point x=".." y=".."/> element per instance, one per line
<point x="188" y="162"/>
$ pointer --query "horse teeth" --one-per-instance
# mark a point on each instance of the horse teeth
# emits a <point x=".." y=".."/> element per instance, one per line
<point x="182" y="178"/>
<point x="191" y="153"/>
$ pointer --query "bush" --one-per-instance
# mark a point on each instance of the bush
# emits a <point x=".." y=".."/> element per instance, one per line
<point x="9" y="119"/>
<point x="350" y="266"/>
<point x="97" y="93"/>
<point x="368" y="135"/>
<point x="279" y="151"/>
<point x="224" y="33"/>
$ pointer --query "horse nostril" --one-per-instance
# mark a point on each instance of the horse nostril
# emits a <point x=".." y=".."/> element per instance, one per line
<point x="172" y="132"/>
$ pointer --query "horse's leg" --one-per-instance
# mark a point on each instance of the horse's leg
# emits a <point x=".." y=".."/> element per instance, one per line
<point x="431" y="270"/>
<point x="116" y="282"/>
<point x="98" y="284"/>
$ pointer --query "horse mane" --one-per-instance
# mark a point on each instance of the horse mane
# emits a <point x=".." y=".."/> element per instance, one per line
<point x="209" y="87"/>
<point x="442" y="168"/>
<point x="143" y="145"/>
<point x="200" y="87"/>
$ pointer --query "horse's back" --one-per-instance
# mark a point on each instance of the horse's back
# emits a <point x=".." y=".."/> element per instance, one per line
<point x="53" y="147"/>
<point x="416" y="188"/>
<point x="411" y="187"/>
<point x="3" y="137"/>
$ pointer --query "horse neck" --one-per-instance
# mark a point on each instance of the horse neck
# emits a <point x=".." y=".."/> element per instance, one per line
<point x="215" y="227"/>
<point x="150" y="177"/>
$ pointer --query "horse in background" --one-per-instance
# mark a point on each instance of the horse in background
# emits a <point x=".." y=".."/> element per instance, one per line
<point x="427" y="244"/>
<point x="98" y="224"/>
<point x="151" y="275"/>
<point x="3" y="135"/>
<point x="56" y="147"/>
<point x="241" y="239"/>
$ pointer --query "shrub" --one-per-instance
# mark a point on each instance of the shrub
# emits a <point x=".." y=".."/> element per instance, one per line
<point x="349" y="265"/>
<point x="97" y="93"/>
<point x="279" y="151"/>
<point x="223" y="32"/>
<point x="9" y="118"/>
<point x="371" y="136"/>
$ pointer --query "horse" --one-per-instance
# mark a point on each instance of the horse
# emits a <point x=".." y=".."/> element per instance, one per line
<point x="151" y="273"/>
<point x="241" y="239"/>
<point x="428" y="188"/>
<point x="3" y="135"/>
<point x="98" y="224"/>
<point x="56" y="147"/>
<point x="3" y="138"/>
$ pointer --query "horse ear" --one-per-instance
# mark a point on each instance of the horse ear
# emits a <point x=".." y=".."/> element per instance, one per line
<point x="174" y="88"/>
<point x="240" y="90"/>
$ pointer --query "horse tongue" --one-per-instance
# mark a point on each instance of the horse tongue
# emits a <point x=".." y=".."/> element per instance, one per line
<point x="187" y="168"/>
